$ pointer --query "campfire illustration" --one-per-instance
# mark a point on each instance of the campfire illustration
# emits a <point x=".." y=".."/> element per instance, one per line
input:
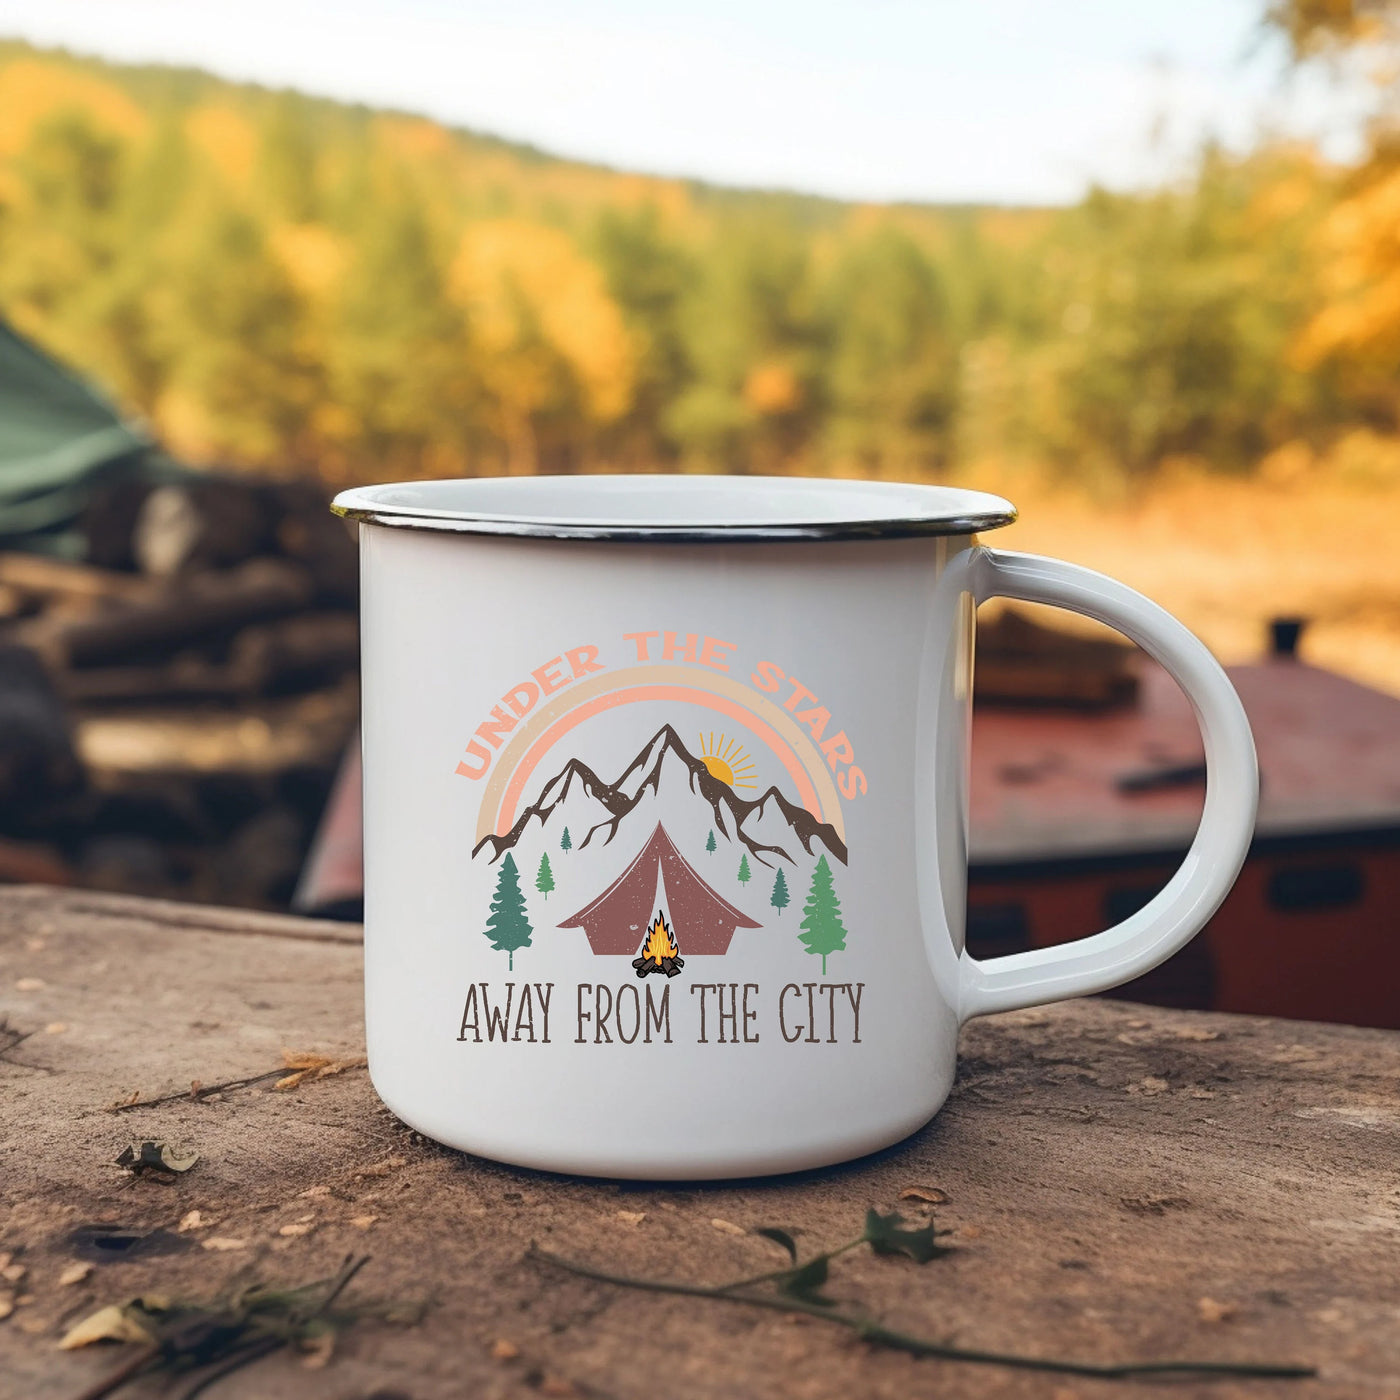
<point x="660" y="951"/>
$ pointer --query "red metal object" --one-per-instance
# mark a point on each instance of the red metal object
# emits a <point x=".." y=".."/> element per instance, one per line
<point x="1077" y="819"/>
<point x="332" y="880"/>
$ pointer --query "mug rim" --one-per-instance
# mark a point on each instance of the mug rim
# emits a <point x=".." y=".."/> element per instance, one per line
<point x="687" y="509"/>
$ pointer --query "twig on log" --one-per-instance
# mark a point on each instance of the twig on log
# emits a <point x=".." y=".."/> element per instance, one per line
<point x="922" y="1346"/>
<point x="197" y="1091"/>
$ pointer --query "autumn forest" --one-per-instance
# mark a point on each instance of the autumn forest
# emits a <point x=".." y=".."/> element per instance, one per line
<point x="289" y="284"/>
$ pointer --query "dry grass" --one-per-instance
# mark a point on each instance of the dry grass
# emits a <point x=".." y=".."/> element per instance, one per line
<point x="1226" y="555"/>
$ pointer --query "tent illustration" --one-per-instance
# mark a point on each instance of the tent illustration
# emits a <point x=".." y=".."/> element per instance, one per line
<point x="617" y="921"/>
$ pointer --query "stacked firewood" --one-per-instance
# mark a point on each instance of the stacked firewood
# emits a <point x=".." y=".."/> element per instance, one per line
<point x="173" y="706"/>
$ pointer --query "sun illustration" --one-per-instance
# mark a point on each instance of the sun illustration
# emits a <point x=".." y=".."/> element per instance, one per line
<point x="727" y="760"/>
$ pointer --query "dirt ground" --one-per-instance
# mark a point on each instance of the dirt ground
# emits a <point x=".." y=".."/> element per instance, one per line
<point x="1226" y="555"/>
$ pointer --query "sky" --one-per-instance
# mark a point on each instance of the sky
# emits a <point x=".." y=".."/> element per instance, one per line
<point x="1009" y="101"/>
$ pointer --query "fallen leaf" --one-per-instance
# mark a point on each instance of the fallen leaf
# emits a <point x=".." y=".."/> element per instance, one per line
<point x="5" y="1257"/>
<point x="7" y="1306"/>
<point x="193" y="1220"/>
<point x="1195" y="1033"/>
<point x="317" y="1348"/>
<point x="1211" y="1311"/>
<point x="782" y="1239"/>
<point x="728" y="1227"/>
<point x="805" y="1283"/>
<point x="297" y="1228"/>
<point x="363" y="1222"/>
<point x="307" y="1065"/>
<point x="55" y="1028"/>
<point x="223" y="1243"/>
<point x="503" y="1350"/>
<point x="155" y="1156"/>
<point x="24" y="1300"/>
<point x="970" y="1232"/>
<point x="929" y="1194"/>
<point x="12" y="1273"/>
<point x="74" y="1273"/>
<point x="30" y="984"/>
<point x="109" y="1324"/>
<point x="632" y="1217"/>
<point x="886" y="1234"/>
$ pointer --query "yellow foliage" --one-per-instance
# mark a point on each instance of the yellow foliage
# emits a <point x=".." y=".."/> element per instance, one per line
<point x="772" y="389"/>
<point x="32" y="90"/>
<point x="413" y="137"/>
<point x="227" y="137"/>
<point x="1360" y="242"/>
<point x="185" y="426"/>
<point x="520" y="282"/>
<point x="314" y="257"/>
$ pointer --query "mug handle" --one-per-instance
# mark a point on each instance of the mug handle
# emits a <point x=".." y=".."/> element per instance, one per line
<point x="1178" y="912"/>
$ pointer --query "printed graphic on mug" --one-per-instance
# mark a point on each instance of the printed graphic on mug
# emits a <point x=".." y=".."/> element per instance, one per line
<point x="663" y="803"/>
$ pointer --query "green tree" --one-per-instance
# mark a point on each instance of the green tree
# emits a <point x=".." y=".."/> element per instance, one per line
<point x="710" y="843"/>
<point x="780" y="897"/>
<point x="823" y="932"/>
<point x="566" y="842"/>
<point x="508" y="928"/>
<point x="890" y="368"/>
<point x="745" y="874"/>
<point x="647" y="274"/>
<point x="544" y="881"/>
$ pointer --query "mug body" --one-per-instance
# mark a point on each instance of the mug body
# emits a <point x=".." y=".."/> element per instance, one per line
<point x="665" y="843"/>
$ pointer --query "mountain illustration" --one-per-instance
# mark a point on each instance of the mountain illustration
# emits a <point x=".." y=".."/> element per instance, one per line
<point x="767" y="826"/>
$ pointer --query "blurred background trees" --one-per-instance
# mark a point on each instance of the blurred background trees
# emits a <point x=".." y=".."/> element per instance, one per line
<point x="297" y="286"/>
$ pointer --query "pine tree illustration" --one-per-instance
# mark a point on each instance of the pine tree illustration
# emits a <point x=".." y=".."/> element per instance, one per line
<point x="710" y="843"/>
<point x="824" y="933"/>
<point x="544" y="881"/>
<point x="780" y="897"/>
<point x="566" y="842"/>
<point x="508" y="928"/>
<point x="745" y="874"/>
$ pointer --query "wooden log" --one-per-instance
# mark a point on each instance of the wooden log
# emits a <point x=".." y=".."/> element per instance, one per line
<point x="38" y="764"/>
<point x="203" y="609"/>
<point x="289" y="655"/>
<point x="1019" y="662"/>
<point x="208" y="522"/>
<point x="1122" y="1184"/>
<point x="323" y="543"/>
<point x="296" y="653"/>
<point x="47" y="578"/>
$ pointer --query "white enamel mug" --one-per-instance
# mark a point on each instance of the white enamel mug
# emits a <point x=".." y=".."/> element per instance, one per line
<point x="666" y="813"/>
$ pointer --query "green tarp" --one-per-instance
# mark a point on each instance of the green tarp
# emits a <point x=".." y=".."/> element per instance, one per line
<point x="59" y="440"/>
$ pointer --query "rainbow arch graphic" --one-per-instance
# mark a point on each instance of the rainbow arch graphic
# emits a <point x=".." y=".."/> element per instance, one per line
<point x="768" y="723"/>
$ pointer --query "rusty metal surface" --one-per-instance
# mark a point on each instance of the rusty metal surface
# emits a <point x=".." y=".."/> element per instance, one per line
<point x="1047" y="783"/>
